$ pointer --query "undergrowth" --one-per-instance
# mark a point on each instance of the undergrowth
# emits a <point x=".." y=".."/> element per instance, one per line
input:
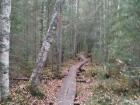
<point x="113" y="88"/>
<point x="23" y="95"/>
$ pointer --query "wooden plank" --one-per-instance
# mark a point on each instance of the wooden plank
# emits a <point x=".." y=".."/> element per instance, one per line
<point x="68" y="89"/>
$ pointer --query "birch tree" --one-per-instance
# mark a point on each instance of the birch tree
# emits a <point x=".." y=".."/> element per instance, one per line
<point x="47" y="41"/>
<point x="5" y="11"/>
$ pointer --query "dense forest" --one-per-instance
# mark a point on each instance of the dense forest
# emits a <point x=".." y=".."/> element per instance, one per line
<point x="69" y="52"/>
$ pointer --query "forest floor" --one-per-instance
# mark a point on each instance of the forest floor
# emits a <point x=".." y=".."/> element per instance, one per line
<point x="94" y="87"/>
<point x="112" y="87"/>
<point x="50" y="88"/>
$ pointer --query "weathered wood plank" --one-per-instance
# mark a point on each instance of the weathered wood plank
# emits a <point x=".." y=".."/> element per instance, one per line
<point x="68" y="89"/>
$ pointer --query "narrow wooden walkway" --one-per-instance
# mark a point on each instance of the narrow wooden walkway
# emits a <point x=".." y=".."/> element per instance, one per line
<point x="68" y="89"/>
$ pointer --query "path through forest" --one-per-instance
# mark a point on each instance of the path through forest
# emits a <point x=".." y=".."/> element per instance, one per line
<point x="51" y="86"/>
<point x="75" y="88"/>
<point x="68" y="89"/>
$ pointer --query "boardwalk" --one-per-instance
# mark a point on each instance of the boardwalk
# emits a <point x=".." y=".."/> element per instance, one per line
<point x="68" y="89"/>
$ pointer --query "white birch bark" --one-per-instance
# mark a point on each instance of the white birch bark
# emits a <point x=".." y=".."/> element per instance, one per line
<point x="5" y="12"/>
<point x="48" y="39"/>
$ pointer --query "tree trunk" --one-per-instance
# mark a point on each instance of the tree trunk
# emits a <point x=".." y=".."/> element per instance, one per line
<point x="59" y="39"/>
<point x="75" y="26"/>
<point x="35" y="28"/>
<point x="4" y="47"/>
<point x="42" y="56"/>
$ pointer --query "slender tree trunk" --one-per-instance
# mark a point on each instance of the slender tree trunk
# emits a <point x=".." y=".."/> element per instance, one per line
<point x="42" y="56"/>
<point x="35" y="28"/>
<point x="4" y="47"/>
<point x="26" y="14"/>
<point x="59" y="39"/>
<point x="75" y="36"/>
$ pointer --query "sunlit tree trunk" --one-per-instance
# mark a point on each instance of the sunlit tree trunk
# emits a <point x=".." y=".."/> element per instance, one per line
<point x="5" y="12"/>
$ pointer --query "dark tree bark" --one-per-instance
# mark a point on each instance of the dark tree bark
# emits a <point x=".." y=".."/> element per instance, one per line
<point x="59" y="38"/>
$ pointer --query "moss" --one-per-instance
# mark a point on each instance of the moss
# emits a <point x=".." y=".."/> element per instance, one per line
<point x="6" y="101"/>
<point x="36" y="91"/>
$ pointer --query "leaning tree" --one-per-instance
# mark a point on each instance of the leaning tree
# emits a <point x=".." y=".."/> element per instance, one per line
<point x="47" y="41"/>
